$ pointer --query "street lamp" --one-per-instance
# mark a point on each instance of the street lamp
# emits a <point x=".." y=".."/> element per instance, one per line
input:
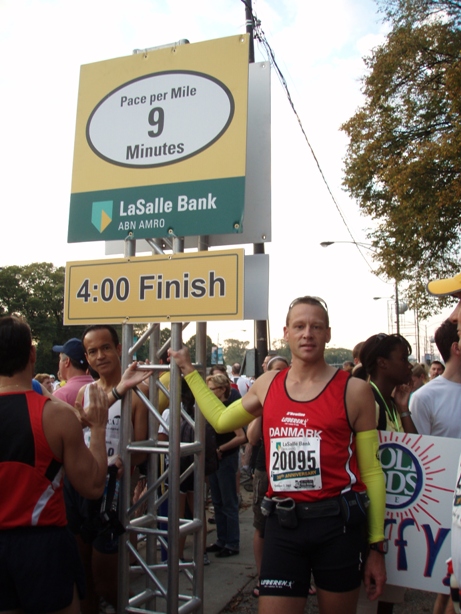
<point x="403" y="307"/>
<point x="371" y="249"/>
<point x="365" y="245"/>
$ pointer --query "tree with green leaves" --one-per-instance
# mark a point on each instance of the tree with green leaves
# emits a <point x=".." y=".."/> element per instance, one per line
<point x="282" y="348"/>
<point x="36" y="292"/>
<point x="234" y="350"/>
<point x="142" y="353"/>
<point x="403" y="163"/>
<point x="336" y="356"/>
<point x="192" y="345"/>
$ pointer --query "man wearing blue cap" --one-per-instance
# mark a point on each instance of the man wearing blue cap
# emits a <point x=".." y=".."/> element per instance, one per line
<point x="72" y="367"/>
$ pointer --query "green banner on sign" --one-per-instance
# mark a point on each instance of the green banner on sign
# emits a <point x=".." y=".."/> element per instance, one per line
<point x="179" y="209"/>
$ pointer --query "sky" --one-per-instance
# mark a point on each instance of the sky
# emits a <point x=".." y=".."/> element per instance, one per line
<point x="319" y="48"/>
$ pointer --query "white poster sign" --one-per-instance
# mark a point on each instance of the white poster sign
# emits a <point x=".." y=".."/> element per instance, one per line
<point x="420" y="479"/>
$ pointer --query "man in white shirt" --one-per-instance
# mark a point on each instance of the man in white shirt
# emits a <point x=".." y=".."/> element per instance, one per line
<point x="242" y="382"/>
<point x="436" y="407"/>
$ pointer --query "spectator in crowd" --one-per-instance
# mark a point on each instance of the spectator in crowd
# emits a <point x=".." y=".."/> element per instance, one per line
<point x="385" y="360"/>
<point x="45" y="380"/>
<point x="356" y="353"/>
<point x="223" y="481"/>
<point x="99" y="545"/>
<point x="358" y="370"/>
<point x="348" y="366"/>
<point x="234" y="390"/>
<point x="243" y="383"/>
<point x="436" y="407"/>
<point x="419" y="376"/>
<point x="445" y="287"/>
<point x="73" y="368"/>
<point x="260" y="481"/>
<point x="40" y="438"/>
<point x="436" y="369"/>
<point x="270" y="354"/>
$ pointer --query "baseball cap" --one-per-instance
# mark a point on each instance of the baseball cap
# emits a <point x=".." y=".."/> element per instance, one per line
<point x="74" y="349"/>
<point x="445" y="287"/>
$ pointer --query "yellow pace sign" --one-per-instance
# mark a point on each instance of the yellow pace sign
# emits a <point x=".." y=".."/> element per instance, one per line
<point x="175" y="287"/>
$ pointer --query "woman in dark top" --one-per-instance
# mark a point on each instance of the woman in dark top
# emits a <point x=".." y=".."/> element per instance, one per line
<point x="223" y="481"/>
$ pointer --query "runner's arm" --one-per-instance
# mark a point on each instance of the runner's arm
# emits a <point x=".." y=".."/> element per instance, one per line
<point x="361" y="410"/>
<point x="85" y="467"/>
<point x="254" y="432"/>
<point x="239" y="439"/>
<point x="223" y="419"/>
<point x="373" y="477"/>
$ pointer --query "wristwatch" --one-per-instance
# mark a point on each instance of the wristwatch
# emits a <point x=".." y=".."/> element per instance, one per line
<point x="381" y="547"/>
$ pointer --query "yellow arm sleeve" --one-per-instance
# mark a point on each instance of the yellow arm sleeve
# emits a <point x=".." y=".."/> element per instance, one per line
<point x="223" y="419"/>
<point x="372" y="475"/>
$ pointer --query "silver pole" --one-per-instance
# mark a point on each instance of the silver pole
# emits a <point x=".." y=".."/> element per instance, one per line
<point x="174" y="463"/>
<point x="125" y="440"/>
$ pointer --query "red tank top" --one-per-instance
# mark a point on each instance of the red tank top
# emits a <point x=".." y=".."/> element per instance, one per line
<point x="30" y="474"/>
<point x="310" y="446"/>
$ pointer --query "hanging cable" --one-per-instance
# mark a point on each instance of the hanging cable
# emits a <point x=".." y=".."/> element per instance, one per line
<point x="260" y="36"/>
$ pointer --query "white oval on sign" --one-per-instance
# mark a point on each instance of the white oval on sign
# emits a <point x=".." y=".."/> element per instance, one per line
<point x="160" y="119"/>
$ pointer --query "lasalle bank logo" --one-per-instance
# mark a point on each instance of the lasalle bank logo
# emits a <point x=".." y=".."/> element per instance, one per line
<point x="101" y="214"/>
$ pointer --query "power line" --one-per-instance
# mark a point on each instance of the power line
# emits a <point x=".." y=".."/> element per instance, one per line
<point x="260" y="36"/>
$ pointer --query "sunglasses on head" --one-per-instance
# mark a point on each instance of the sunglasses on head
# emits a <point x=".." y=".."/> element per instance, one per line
<point x="306" y="300"/>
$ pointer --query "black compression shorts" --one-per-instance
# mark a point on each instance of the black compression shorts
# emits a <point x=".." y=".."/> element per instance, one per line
<point x="39" y="567"/>
<point x="333" y="553"/>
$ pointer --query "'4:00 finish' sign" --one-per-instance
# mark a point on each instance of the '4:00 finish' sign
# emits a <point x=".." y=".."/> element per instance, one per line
<point x="160" y="143"/>
<point x="198" y="286"/>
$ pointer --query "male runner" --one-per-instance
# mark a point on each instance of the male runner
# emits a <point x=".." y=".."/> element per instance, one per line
<point x="100" y="552"/>
<point x="319" y="430"/>
<point x="40" y="570"/>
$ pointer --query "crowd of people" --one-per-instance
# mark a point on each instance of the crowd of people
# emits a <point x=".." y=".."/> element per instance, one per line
<point x="309" y="428"/>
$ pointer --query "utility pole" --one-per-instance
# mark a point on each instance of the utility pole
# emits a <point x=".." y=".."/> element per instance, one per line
<point x="258" y="248"/>
<point x="397" y="310"/>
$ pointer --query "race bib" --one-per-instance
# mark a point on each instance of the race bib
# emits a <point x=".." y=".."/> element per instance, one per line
<point x="295" y="464"/>
<point x="112" y="439"/>
<point x="113" y="435"/>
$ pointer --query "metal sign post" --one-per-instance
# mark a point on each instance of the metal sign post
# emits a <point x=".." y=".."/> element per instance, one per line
<point x="154" y="179"/>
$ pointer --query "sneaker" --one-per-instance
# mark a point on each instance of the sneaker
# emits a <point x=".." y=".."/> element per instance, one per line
<point x="214" y="548"/>
<point x="105" y="608"/>
<point x="206" y="560"/>
<point x="226" y="552"/>
<point x="245" y="475"/>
